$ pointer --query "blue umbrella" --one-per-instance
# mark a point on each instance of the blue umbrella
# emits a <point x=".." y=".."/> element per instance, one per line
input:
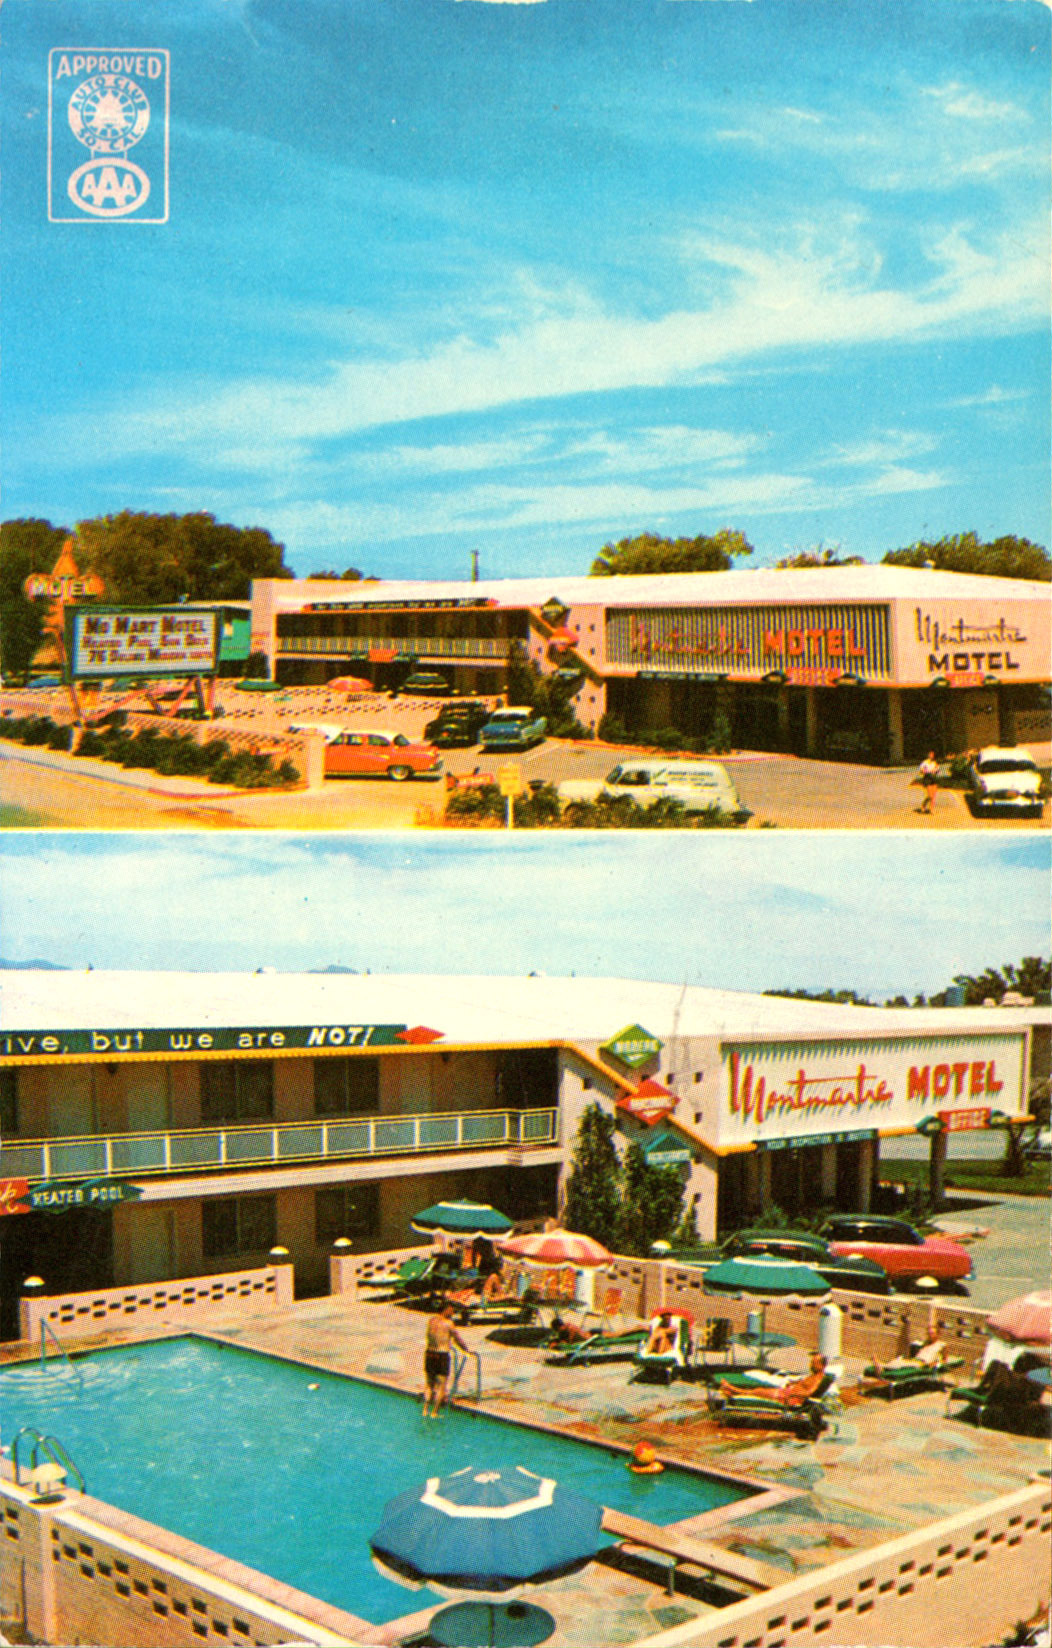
<point x="486" y="1531"/>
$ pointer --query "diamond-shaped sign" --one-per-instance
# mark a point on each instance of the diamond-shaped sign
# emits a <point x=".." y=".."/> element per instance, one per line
<point x="633" y="1046"/>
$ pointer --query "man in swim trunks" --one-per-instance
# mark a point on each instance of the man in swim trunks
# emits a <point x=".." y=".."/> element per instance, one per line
<point x="440" y="1335"/>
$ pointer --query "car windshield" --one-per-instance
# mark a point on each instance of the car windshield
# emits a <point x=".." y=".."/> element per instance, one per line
<point x="1007" y="764"/>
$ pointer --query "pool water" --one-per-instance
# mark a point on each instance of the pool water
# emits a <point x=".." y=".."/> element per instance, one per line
<point x="287" y="1468"/>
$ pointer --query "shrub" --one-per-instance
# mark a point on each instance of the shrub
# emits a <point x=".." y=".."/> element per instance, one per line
<point x="613" y="730"/>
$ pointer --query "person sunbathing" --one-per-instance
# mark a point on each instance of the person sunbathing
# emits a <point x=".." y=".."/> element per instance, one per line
<point x="932" y="1354"/>
<point x="794" y="1392"/>
<point x="662" y="1341"/>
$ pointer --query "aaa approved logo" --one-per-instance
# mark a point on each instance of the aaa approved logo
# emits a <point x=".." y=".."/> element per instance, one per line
<point x="102" y="104"/>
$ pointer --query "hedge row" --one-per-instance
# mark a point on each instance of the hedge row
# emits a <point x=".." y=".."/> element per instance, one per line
<point x="176" y="754"/>
<point x="542" y="809"/>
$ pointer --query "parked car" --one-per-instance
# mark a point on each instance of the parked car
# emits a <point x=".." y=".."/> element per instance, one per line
<point x="1004" y="780"/>
<point x="1038" y="1147"/>
<point x="515" y="728"/>
<point x="366" y="752"/>
<point x="906" y="1255"/>
<point x="861" y="1275"/>
<point x="698" y="785"/>
<point x="425" y="683"/>
<point x="458" y="723"/>
<point x="42" y="683"/>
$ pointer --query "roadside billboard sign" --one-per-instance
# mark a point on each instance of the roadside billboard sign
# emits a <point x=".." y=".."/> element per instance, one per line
<point x="138" y="642"/>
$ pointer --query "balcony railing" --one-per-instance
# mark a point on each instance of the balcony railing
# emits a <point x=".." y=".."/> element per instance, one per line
<point x="277" y="1143"/>
<point x="403" y="646"/>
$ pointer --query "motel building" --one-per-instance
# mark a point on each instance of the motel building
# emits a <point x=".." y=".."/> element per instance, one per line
<point x="873" y="663"/>
<point x="167" y="1125"/>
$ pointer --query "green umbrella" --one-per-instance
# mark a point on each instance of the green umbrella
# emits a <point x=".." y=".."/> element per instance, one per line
<point x="462" y="1219"/>
<point x="765" y="1278"/>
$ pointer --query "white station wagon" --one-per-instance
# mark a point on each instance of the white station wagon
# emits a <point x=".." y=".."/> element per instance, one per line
<point x="699" y="785"/>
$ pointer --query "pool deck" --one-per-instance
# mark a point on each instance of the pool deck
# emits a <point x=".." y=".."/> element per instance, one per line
<point x="880" y="1471"/>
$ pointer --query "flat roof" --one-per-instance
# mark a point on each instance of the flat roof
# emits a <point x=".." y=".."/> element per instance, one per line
<point x="501" y="1010"/>
<point x="750" y="586"/>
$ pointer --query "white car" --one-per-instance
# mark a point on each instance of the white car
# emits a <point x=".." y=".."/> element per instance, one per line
<point x="699" y="785"/>
<point x="1004" y="778"/>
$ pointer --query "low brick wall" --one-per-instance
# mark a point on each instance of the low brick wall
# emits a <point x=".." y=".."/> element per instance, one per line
<point x="79" y="1570"/>
<point x="872" y="1324"/>
<point x="960" y="1582"/>
<point x="347" y="1272"/>
<point x="111" y="1310"/>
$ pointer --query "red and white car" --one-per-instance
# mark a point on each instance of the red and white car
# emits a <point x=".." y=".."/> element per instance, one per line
<point x="369" y="752"/>
<point x="906" y="1255"/>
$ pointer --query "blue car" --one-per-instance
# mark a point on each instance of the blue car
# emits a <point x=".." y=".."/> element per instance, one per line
<point x="516" y="728"/>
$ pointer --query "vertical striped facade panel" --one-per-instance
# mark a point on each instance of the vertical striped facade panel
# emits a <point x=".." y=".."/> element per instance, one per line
<point x="751" y="640"/>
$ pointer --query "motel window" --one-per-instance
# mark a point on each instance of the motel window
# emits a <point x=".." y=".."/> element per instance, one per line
<point x="8" y="1103"/>
<point x="235" y="1090"/>
<point x="346" y="1087"/>
<point x="351" y="1210"/>
<point x="232" y="1225"/>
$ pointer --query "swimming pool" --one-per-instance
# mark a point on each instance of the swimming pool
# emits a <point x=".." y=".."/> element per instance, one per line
<point x="287" y="1468"/>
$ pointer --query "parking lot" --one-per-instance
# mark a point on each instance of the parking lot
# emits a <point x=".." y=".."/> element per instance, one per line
<point x="41" y="788"/>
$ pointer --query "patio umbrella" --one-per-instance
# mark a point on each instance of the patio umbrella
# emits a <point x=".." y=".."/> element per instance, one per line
<point x="490" y="1625"/>
<point x="485" y="1531"/>
<point x="1025" y="1321"/>
<point x="765" y="1278"/>
<point x="558" y="1247"/>
<point x="465" y="1219"/>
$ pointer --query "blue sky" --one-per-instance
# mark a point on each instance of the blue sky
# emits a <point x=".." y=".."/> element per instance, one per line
<point x="879" y="913"/>
<point x="524" y="278"/>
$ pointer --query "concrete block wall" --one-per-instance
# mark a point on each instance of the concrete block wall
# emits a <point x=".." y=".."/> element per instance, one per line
<point x="966" y="1580"/>
<point x="109" y="1310"/>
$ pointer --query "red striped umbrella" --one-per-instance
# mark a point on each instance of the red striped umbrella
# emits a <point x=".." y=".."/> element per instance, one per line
<point x="1026" y="1320"/>
<point x="557" y="1247"/>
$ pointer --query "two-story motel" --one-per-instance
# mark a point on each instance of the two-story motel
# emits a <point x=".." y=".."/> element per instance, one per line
<point x="879" y="662"/>
<point x="160" y="1125"/>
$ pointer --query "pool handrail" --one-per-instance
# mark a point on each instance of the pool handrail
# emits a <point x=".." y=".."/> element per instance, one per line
<point x="459" y="1364"/>
<point x="52" y="1448"/>
<point x="45" y="1329"/>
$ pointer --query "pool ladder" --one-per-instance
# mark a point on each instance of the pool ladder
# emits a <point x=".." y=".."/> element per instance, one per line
<point x="47" y="1451"/>
<point x="459" y="1364"/>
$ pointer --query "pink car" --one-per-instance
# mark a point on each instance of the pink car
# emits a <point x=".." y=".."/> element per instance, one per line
<point x="904" y="1253"/>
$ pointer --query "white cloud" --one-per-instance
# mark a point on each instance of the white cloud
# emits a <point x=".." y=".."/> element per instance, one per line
<point x="808" y="293"/>
<point x="965" y="103"/>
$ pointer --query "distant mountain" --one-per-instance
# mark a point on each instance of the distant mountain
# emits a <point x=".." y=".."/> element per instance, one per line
<point x="333" y="967"/>
<point x="34" y="966"/>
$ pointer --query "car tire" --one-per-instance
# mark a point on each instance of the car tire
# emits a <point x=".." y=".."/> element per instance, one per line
<point x="399" y="774"/>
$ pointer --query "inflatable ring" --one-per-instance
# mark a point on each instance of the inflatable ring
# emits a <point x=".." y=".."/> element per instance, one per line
<point x="644" y="1460"/>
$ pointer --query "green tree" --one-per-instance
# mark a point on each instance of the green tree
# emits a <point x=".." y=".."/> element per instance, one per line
<point x="651" y="1203"/>
<point x="823" y="555"/>
<point x="550" y="695"/>
<point x="1007" y="557"/>
<point x="26" y="546"/>
<point x="593" y="1188"/>
<point x="350" y="575"/>
<point x="158" y="558"/>
<point x="649" y="553"/>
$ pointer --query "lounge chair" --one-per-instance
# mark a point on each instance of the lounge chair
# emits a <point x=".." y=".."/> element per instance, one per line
<point x="716" y="1339"/>
<point x="907" y="1375"/>
<point x="806" y="1416"/>
<point x="666" y="1352"/>
<point x="1004" y="1399"/>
